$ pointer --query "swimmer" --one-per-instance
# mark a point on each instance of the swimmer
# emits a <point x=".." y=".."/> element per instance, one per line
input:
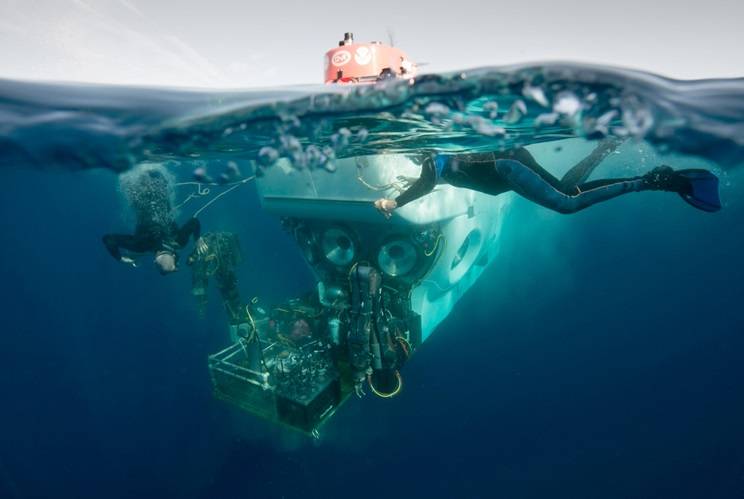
<point x="516" y="170"/>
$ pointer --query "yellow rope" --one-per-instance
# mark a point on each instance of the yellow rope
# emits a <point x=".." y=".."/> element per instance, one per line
<point x="382" y="394"/>
<point x="436" y="245"/>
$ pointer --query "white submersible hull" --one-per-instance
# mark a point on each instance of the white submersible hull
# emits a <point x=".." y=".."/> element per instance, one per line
<point x="383" y="286"/>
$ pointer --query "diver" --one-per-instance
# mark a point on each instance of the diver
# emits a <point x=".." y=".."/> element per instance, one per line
<point x="149" y="191"/>
<point x="516" y="170"/>
<point x="219" y="257"/>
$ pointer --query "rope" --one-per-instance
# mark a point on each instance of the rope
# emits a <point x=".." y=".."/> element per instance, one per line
<point x="179" y="184"/>
<point x="440" y="237"/>
<point x="397" y="185"/>
<point x="218" y="196"/>
<point x="199" y="193"/>
<point x="202" y="191"/>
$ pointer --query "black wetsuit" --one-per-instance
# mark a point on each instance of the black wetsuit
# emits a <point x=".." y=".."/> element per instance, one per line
<point x="152" y="238"/>
<point x="516" y="170"/>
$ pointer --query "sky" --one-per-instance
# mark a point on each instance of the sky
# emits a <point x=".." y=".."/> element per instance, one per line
<point x="243" y="43"/>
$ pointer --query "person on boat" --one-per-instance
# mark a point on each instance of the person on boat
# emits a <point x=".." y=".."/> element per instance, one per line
<point x="516" y="170"/>
<point x="148" y="190"/>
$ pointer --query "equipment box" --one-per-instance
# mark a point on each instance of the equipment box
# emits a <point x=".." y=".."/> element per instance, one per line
<point x="297" y="386"/>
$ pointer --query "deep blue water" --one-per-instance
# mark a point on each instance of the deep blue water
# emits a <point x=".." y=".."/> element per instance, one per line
<point x="600" y="356"/>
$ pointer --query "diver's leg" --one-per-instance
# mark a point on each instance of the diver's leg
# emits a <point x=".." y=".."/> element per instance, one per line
<point x="227" y="282"/>
<point x="199" y="283"/>
<point x="530" y="184"/>
<point x="192" y="227"/>
<point x="573" y="177"/>
<point x="523" y="156"/>
<point x="581" y="171"/>
<point x="116" y="242"/>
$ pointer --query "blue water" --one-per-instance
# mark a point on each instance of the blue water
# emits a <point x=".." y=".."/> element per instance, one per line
<point x="599" y="356"/>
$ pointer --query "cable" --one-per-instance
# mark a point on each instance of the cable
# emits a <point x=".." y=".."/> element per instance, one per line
<point x="436" y="245"/>
<point x="383" y="394"/>
<point x="202" y="191"/>
<point x="218" y="196"/>
<point x="199" y="193"/>
<point x="397" y="185"/>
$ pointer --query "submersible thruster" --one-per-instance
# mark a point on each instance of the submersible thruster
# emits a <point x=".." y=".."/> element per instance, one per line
<point x="383" y="286"/>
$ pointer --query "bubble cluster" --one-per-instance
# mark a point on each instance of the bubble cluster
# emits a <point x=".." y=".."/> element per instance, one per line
<point x="149" y="189"/>
<point x="309" y="145"/>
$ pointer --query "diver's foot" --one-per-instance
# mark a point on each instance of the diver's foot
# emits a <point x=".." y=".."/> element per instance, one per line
<point x="697" y="187"/>
<point x="663" y="178"/>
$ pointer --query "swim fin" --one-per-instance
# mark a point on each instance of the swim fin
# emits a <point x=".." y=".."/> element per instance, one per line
<point x="701" y="190"/>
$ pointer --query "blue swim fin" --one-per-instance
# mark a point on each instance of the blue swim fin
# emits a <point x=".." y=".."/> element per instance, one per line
<point x="702" y="191"/>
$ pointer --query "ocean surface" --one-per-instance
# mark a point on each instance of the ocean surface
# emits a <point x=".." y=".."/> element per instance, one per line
<point x="599" y="356"/>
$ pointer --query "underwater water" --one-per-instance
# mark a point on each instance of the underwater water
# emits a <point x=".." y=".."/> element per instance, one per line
<point x="598" y="356"/>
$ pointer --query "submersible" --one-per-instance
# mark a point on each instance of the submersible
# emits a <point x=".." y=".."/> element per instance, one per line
<point x="383" y="286"/>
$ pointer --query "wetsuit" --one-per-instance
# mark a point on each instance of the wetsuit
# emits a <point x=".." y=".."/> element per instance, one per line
<point x="516" y="170"/>
<point x="152" y="238"/>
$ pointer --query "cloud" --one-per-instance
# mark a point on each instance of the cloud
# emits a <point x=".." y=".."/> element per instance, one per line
<point x="109" y="41"/>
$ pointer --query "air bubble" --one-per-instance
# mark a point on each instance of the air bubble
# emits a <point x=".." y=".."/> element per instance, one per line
<point x="517" y="110"/>
<point x="200" y="175"/>
<point x="637" y="120"/>
<point x="340" y="139"/>
<point x="314" y="156"/>
<point x="436" y="109"/>
<point x="290" y="144"/>
<point x="536" y="94"/>
<point x="485" y="127"/>
<point x="362" y="135"/>
<point x="267" y="156"/>
<point x="566" y="103"/>
<point x="232" y="172"/>
<point x="601" y="125"/>
<point x="492" y="108"/>
<point x="546" y="119"/>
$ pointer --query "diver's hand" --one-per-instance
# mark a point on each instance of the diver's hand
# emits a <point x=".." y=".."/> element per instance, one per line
<point x="359" y="389"/>
<point x="201" y="247"/>
<point x="128" y="261"/>
<point x="386" y="206"/>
